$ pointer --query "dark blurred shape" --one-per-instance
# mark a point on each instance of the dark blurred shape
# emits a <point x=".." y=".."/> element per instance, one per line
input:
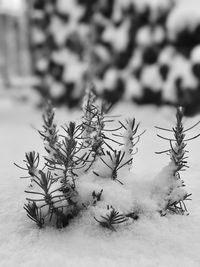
<point x="81" y="40"/>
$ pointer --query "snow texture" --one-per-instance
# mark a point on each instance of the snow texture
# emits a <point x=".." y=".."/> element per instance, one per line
<point x="151" y="241"/>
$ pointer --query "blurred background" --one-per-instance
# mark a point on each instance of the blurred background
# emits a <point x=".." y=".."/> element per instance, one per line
<point x="140" y="51"/>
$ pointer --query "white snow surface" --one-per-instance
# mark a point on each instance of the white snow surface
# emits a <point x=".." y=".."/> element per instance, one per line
<point x="172" y="240"/>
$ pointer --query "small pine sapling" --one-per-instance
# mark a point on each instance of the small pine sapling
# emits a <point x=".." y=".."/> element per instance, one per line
<point x="175" y="195"/>
<point x="31" y="161"/>
<point x="89" y="112"/>
<point x="91" y="132"/>
<point x="94" y="129"/>
<point x="52" y="195"/>
<point x="115" y="159"/>
<point x="48" y="198"/>
<point x="49" y="133"/>
<point x="115" y="165"/>
<point x="130" y="138"/>
<point x="66" y="157"/>
<point x="111" y="219"/>
<point x="61" y="187"/>
<point x="34" y="213"/>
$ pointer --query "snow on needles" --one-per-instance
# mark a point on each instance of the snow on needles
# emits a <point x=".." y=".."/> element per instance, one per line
<point x="151" y="241"/>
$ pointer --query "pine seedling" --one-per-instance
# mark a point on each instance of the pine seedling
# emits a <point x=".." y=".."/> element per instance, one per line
<point x="45" y="193"/>
<point x="34" y="213"/>
<point x="111" y="219"/>
<point x="55" y="198"/>
<point x="48" y="197"/>
<point x="176" y="195"/>
<point x="92" y="145"/>
<point x="116" y="163"/>
<point x="50" y="200"/>
<point x="53" y="194"/>
<point x="66" y="156"/>
<point x="94" y="129"/>
<point x="130" y="138"/>
<point x="89" y="112"/>
<point x="49" y="133"/>
<point x="31" y="161"/>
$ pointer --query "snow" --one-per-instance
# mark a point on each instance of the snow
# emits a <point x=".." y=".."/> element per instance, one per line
<point x="12" y="7"/>
<point x="38" y="36"/>
<point x="102" y="53"/>
<point x="152" y="240"/>
<point x="57" y="91"/>
<point x="169" y="93"/>
<point x="166" y="55"/>
<point x="185" y="15"/>
<point x="76" y="69"/>
<point x="136" y="59"/>
<point x="180" y="68"/>
<point x="159" y="34"/>
<point x="195" y="54"/>
<point x="60" y="30"/>
<point x="133" y="88"/>
<point x="148" y="36"/>
<point x="165" y="186"/>
<point x="111" y="78"/>
<point x="117" y="36"/>
<point x="144" y="36"/>
<point x="76" y="11"/>
<point x="42" y="64"/>
<point x="122" y="4"/>
<point x="150" y="77"/>
<point x="155" y="6"/>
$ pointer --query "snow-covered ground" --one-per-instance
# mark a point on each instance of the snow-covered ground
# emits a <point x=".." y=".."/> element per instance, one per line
<point x="151" y="241"/>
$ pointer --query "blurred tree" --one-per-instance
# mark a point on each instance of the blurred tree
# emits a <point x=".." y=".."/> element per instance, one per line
<point x="131" y="49"/>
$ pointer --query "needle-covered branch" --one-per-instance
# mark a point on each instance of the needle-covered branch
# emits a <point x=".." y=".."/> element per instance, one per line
<point x="49" y="133"/>
<point x="111" y="219"/>
<point x="178" y="158"/>
<point x="72" y="154"/>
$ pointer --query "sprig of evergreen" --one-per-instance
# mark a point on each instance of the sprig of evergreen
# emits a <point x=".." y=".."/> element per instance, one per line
<point x="94" y="123"/>
<point x="130" y="138"/>
<point x="116" y="163"/>
<point x="66" y="155"/>
<point x="49" y="133"/>
<point x="111" y="219"/>
<point x="54" y="197"/>
<point x="34" y="213"/>
<point x="177" y="153"/>
<point x="89" y="113"/>
<point x="32" y="160"/>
